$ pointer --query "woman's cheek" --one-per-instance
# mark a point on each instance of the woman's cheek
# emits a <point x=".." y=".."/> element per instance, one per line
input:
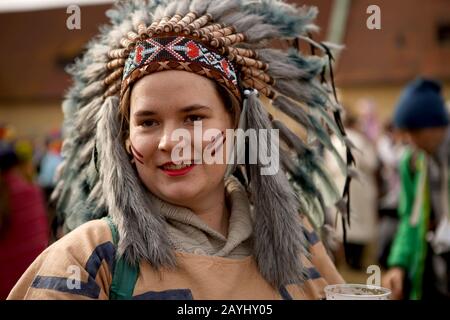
<point x="142" y="147"/>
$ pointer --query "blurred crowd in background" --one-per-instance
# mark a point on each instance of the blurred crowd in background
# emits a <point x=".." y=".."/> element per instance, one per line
<point x="374" y="191"/>
<point x="27" y="174"/>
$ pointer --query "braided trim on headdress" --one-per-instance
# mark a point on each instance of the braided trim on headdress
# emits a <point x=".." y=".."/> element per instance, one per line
<point x="197" y="43"/>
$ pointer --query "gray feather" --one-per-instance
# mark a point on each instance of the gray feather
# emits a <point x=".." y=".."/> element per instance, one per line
<point x="221" y="7"/>
<point x="199" y="6"/>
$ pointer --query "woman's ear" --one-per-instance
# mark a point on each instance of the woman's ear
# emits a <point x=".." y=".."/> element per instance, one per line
<point x="128" y="146"/>
<point x="128" y="149"/>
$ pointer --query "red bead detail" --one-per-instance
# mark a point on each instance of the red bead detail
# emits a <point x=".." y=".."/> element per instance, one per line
<point x="138" y="57"/>
<point x="225" y="66"/>
<point x="193" y="51"/>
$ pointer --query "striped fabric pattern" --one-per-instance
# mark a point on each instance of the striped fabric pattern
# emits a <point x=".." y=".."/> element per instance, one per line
<point x="90" y="249"/>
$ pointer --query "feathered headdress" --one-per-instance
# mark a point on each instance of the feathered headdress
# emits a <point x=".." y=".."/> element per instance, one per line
<point x="229" y="42"/>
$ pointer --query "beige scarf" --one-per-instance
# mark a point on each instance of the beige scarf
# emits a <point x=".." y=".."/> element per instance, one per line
<point x="190" y="234"/>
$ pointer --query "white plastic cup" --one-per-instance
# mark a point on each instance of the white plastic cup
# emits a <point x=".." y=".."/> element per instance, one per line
<point x="356" y="292"/>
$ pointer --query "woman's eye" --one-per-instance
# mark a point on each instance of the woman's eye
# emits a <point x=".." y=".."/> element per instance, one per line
<point x="193" y="118"/>
<point x="148" y="123"/>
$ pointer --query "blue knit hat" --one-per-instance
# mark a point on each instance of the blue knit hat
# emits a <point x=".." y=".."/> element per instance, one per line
<point x="421" y="106"/>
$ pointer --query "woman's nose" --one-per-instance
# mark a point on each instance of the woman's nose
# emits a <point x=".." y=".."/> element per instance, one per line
<point x="171" y="138"/>
<point x="165" y="143"/>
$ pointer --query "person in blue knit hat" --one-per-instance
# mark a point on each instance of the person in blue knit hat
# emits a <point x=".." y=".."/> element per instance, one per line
<point x="422" y="115"/>
<point x="420" y="255"/>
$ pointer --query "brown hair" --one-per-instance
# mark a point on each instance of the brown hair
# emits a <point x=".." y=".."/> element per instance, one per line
<point x="231" y="103"/>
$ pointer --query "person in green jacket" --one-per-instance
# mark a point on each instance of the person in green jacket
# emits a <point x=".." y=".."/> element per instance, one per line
<point x="422" y="241"/>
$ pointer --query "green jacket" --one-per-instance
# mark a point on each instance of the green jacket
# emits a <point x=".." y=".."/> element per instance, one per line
<point x="409" y="248"/>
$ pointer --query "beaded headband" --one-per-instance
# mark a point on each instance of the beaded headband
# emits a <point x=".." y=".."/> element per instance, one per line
<point x="178" y="53"/>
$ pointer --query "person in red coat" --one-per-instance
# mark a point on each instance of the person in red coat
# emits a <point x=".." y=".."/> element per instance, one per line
<point x="23" y="221"/>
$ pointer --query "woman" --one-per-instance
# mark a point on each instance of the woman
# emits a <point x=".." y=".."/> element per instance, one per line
<point x="187" y="228"/>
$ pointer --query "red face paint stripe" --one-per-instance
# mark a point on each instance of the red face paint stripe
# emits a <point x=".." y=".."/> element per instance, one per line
<point x="137" y="159"/>
<point x="213" y="140"/>
<point x="213" y="153"/>
<point x="138" y="154"/>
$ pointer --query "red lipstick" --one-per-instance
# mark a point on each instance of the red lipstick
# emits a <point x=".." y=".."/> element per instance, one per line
<point x="176" y="172"/>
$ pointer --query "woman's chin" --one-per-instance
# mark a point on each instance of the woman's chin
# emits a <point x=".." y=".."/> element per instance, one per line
<point x="179" y="196"/>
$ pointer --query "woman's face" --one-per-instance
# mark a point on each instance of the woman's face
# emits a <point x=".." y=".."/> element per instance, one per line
<point x="161" y="103"/>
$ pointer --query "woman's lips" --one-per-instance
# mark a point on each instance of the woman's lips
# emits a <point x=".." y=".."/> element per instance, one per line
<point x="172" y="170"/>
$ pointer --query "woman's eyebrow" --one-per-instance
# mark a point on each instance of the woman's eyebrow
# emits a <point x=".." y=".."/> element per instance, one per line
<point x="194" y="107"/>
<point x="144" y="113"/>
